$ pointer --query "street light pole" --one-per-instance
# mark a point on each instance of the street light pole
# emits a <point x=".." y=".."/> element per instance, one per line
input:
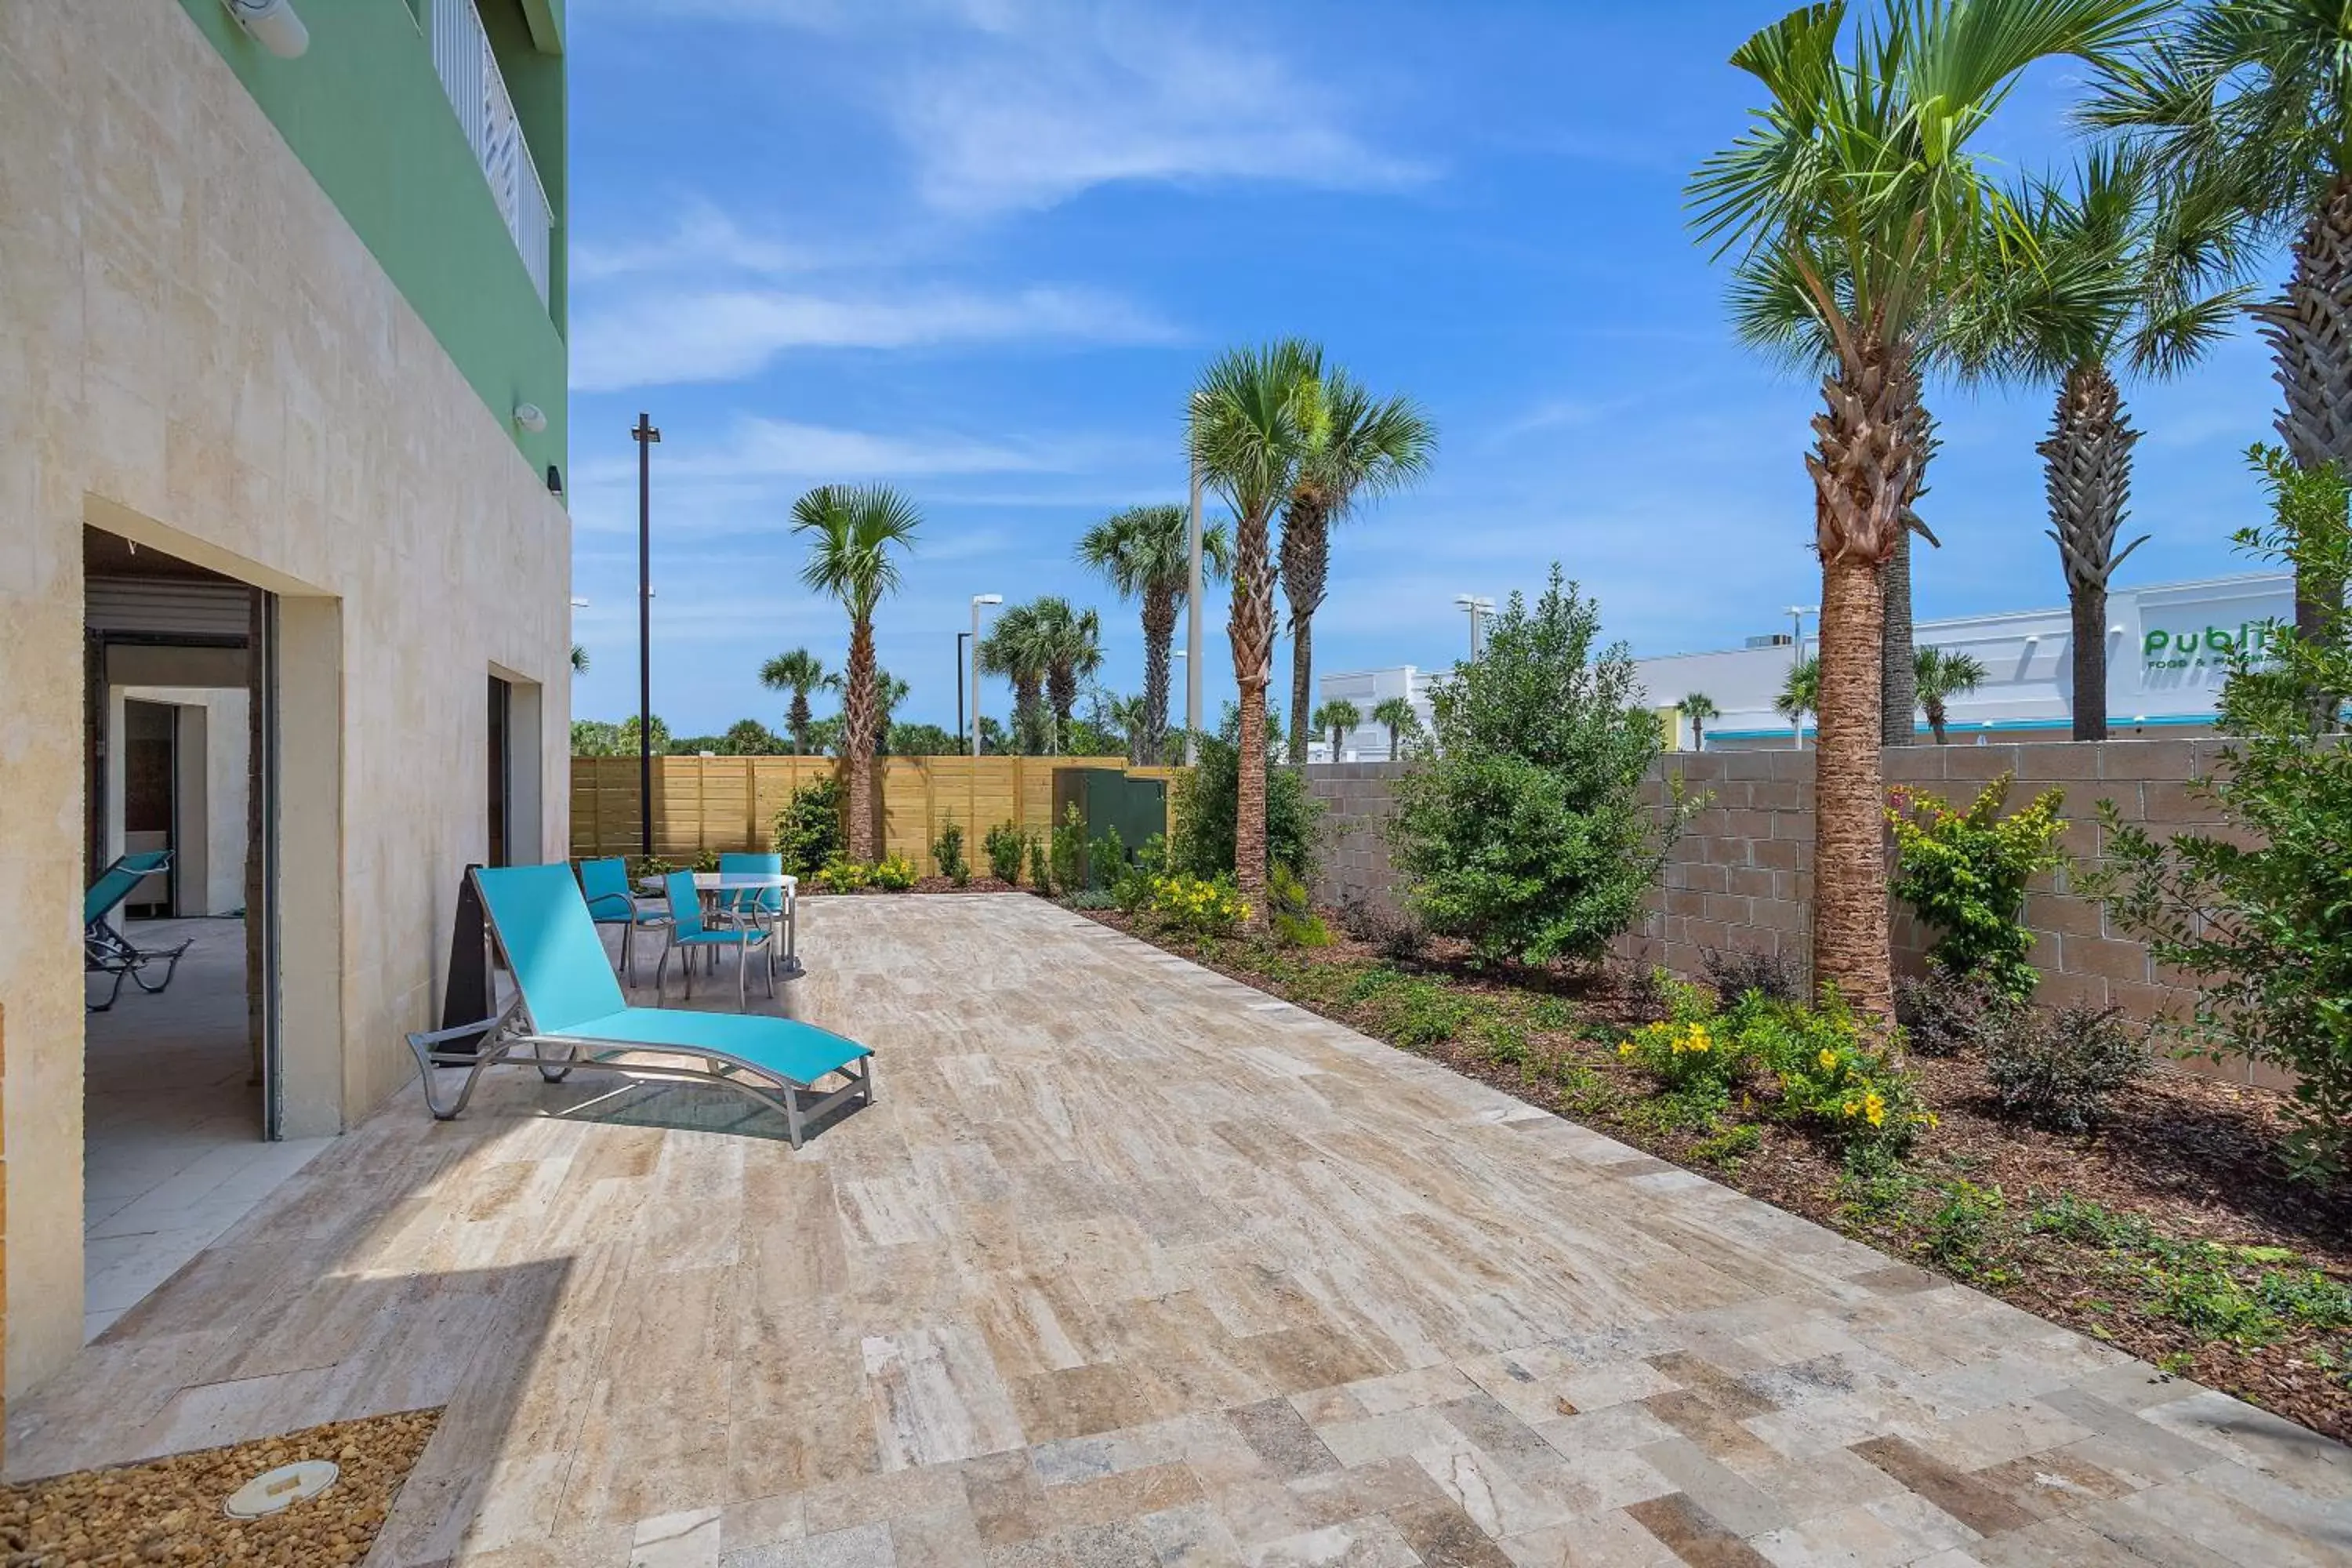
<point x="1193" y="627"/>
<point x="644" y="435"/>
<point x="1477" y="607"/>
<point x="978" y="600"/>
<point x="960" y="642"/>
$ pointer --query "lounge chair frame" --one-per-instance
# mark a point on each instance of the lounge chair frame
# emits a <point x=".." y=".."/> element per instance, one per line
<point x="106" y="951"/>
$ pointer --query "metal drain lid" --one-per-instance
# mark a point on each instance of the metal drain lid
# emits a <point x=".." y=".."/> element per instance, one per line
<point x="272" y="1490"/>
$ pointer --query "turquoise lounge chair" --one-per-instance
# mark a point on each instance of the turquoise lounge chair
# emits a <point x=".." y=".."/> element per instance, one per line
<point x="605" y="885"/>
<point x="568" y="1012"/>
<point x="688" y="931"/>
<point x="106" y="951"/>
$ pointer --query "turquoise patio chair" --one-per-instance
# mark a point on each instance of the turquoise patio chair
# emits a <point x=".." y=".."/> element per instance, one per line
<point x="686" y="932"/>
<point x="605" y="885"/>
<point x="568" y="1011"/>
<point x="105" y="950"/>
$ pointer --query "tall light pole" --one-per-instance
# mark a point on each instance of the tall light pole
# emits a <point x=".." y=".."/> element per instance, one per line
<point x="1193" y="627"/>
<point x="1479" y="608"/>
<point x="978" y="601"/>
<point x="1797" y="613"/>
<point x="644" y="435"/>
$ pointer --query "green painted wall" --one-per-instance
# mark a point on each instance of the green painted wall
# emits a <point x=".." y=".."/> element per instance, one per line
<point x="365" y="113"/>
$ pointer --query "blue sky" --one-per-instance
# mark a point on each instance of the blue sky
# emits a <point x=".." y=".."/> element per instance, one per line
<point x="981" y="248"/>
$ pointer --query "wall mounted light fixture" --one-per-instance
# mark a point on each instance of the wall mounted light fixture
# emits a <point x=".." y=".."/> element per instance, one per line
<point x="273" y="24"/>
<point x="530" y="416"/>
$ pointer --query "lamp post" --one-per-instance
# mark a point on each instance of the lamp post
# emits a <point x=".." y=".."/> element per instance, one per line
<point x="644" y="435"/>
<point x="960" y="639"/>
<point x="1192" y="626"/>
<point x="977" y="602"/>
<point x="1478" y="608"/>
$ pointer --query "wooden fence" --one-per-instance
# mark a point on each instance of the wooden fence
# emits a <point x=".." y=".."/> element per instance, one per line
<point x="720" y="803"/>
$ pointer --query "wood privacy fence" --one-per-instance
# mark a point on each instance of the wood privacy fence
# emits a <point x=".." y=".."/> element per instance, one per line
<point x="720" y="803"/>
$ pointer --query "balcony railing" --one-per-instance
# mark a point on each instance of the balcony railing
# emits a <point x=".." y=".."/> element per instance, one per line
<point x="477" y="91"/>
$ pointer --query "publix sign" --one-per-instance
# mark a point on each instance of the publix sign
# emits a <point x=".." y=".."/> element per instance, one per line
<point x="2162" y="650"/>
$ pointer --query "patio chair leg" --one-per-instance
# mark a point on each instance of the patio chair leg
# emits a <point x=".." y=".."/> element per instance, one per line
<point x="628" y="933"/>
<point x="742" y="978"/>
<point x="793" y="1114"/>
<point x="661" y="971"/>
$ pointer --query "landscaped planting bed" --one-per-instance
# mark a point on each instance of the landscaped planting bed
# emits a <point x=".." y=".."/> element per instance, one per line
<point x="2171" y="1231"/>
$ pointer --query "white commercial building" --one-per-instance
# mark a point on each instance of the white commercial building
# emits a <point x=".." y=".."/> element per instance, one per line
<point x="2167" y="650"/>
<point x="1368" y="689"/>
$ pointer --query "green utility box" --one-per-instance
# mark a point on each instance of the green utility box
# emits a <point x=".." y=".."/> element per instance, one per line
<point x="1107" y="798"/>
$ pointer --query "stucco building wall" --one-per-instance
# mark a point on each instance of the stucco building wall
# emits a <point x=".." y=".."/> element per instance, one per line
<point x="197" y="353"/>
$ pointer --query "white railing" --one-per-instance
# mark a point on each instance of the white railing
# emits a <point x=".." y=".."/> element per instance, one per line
<point x="486" y="112"/>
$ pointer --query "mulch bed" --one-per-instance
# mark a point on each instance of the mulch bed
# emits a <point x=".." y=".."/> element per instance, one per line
<point x="169" y="1510"/>
<point x="2193" y="1157"/>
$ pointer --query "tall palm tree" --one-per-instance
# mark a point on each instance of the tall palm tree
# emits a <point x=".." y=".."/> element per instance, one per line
<point x="1249" y="420"/>
<point x="1801" y="693"/>
<point x="1856" y="184"/>
<point x="856" y="535"/>
<point x="1131" y="716"/>
<point x="1362" y="446"/>
<point x="1018" y="648"/>
<point x="1145" y="554"/>
<point x="799" y="672"/>
<point x="2117" y="269"/>
<point x="2251" y="100"/>
<point x="1942" y="675"/>
<point x="1334" y="718"/>
<point x="1698" y="707"/>
<point x="1071" y="641"/>
<point x="1396" y="715"/>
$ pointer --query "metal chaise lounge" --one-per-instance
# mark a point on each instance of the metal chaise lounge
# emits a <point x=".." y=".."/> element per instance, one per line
<point x="568" y="1011"/>
<point x="106" y="951"/>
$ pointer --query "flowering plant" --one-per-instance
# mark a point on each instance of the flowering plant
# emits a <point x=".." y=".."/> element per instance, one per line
<point x="1684" y="1055"/>
<point x="1834" y="1077"/>
<point x="1964" y="873"/>
<point x="1201" y="906"/>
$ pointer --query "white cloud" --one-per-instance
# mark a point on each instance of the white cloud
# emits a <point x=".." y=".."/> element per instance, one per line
<point x="784" y="449"/>
<point x="726" y="334"/>
<point x="702" y="239"/>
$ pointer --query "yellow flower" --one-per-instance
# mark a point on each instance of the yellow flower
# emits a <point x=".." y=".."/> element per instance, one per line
<point x="1829" y="1060"/>
<point x="1625" y="1049"/>
<point x="1853" y="1107"/>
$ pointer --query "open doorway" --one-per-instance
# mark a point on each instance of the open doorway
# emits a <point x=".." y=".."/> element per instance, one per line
<point x="179" y="1067"/>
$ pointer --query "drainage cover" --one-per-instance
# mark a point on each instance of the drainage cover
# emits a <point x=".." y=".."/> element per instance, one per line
<point x="274" y="1489"/>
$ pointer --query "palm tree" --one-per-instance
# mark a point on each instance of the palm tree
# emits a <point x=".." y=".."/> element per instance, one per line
<point x="1396" y="714"/>
<point x="799" y="672"/>
<point x="1801" y="693"/>
<point x="856" y="533"/>
<point x="1144" y="553"/>
<point x="1359" y="447"/>
<point x="1250" y="418"/>
<point x="1131" y="716"/>
<point x="2113" y="273"/>
<point x="1698" y="707"/>
<point x="1334" y="718"/>
<point x="2249" y="100"/>
<point x="1855" y="186"/>
<point x="579" y="659"/>
<point x="889" y="691"/>
<point x="1943" y="675"/>
<point x="1071" y="642"/>
<point x="1018" y="648"/>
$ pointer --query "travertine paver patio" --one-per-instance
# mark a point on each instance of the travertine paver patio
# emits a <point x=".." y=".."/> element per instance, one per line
<point x="1133" y="1265"/>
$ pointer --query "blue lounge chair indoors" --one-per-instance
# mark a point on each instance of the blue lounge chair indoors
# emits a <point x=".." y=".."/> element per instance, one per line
<point x="568" y="1012"/>
<point x="104" y="949"/>
<point x="687" y="933"/>
<point x="605" y="885"/>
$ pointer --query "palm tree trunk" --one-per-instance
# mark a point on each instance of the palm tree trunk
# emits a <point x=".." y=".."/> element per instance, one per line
<point x="1850" y="934"/>
<point x="2087" y="604"/>
<point x="857" y="714"/>
<point x="1936" y="718"/>
<point x="1252" y="628"/>
<point x="1062" y="691"/>
<point x="1158" y="638"/>
<point x="2309" y="329"/>
<point x="1392" y="744"/>
<point x="2087" y="477"/>
<point x="1306" y="566"/>
<point x="796" y="720"/>
<point x="1898" y="681"/>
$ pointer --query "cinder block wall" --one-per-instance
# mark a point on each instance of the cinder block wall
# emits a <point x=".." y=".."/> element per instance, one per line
<point x="1741" y="875"/>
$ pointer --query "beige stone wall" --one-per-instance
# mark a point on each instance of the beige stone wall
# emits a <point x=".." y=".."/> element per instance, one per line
<point x="196" y="351"/>
<point x="1741" y="877"/>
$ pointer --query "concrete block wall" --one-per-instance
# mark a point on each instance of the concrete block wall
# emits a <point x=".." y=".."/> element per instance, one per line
<point x="1740" y="877"/>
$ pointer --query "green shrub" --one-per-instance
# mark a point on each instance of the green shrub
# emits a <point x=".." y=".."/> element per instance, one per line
<point x="1729" y="1146"/>
<point x="1004" y="846"/>
<point x="1503" y="1042"/>
<point x="1690" y="1058"/>
<point x="1407" y="1010"/>
<point x="2259" y="908"/>
<point x="1525" y="834"/>
<point x="807" y="831"/>
<point x="1208" y="799"/>
<point x="843" y="875"/>
<point x="1040" y="867"/>
<point x="1295" y="923"/>
<point x="1957" y="1232"/>
<point x="2062" y="1069"/>
<point x="1947" y="1015"/>
<point x="1196" y="906"/>
<point x="1065" y="850"/>
<point x="1834" y="1077"/>
<point x="1964" y="873"/>
<point x="1736" y="972"/>
<point x="1106" y="860"/>
<point x="947" y="851"/>
<point x="895" y="874"/>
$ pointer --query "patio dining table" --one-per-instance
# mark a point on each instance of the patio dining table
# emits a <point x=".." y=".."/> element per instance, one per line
<point x="717" y="889"/>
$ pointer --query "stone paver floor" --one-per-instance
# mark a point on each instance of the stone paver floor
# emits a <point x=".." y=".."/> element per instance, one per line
<point x="1132" y="1264"/>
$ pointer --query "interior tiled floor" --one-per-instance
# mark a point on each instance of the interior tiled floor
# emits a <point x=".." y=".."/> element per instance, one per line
<point x="1132" y="1265"/>
<point x="172" y="1154"/>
